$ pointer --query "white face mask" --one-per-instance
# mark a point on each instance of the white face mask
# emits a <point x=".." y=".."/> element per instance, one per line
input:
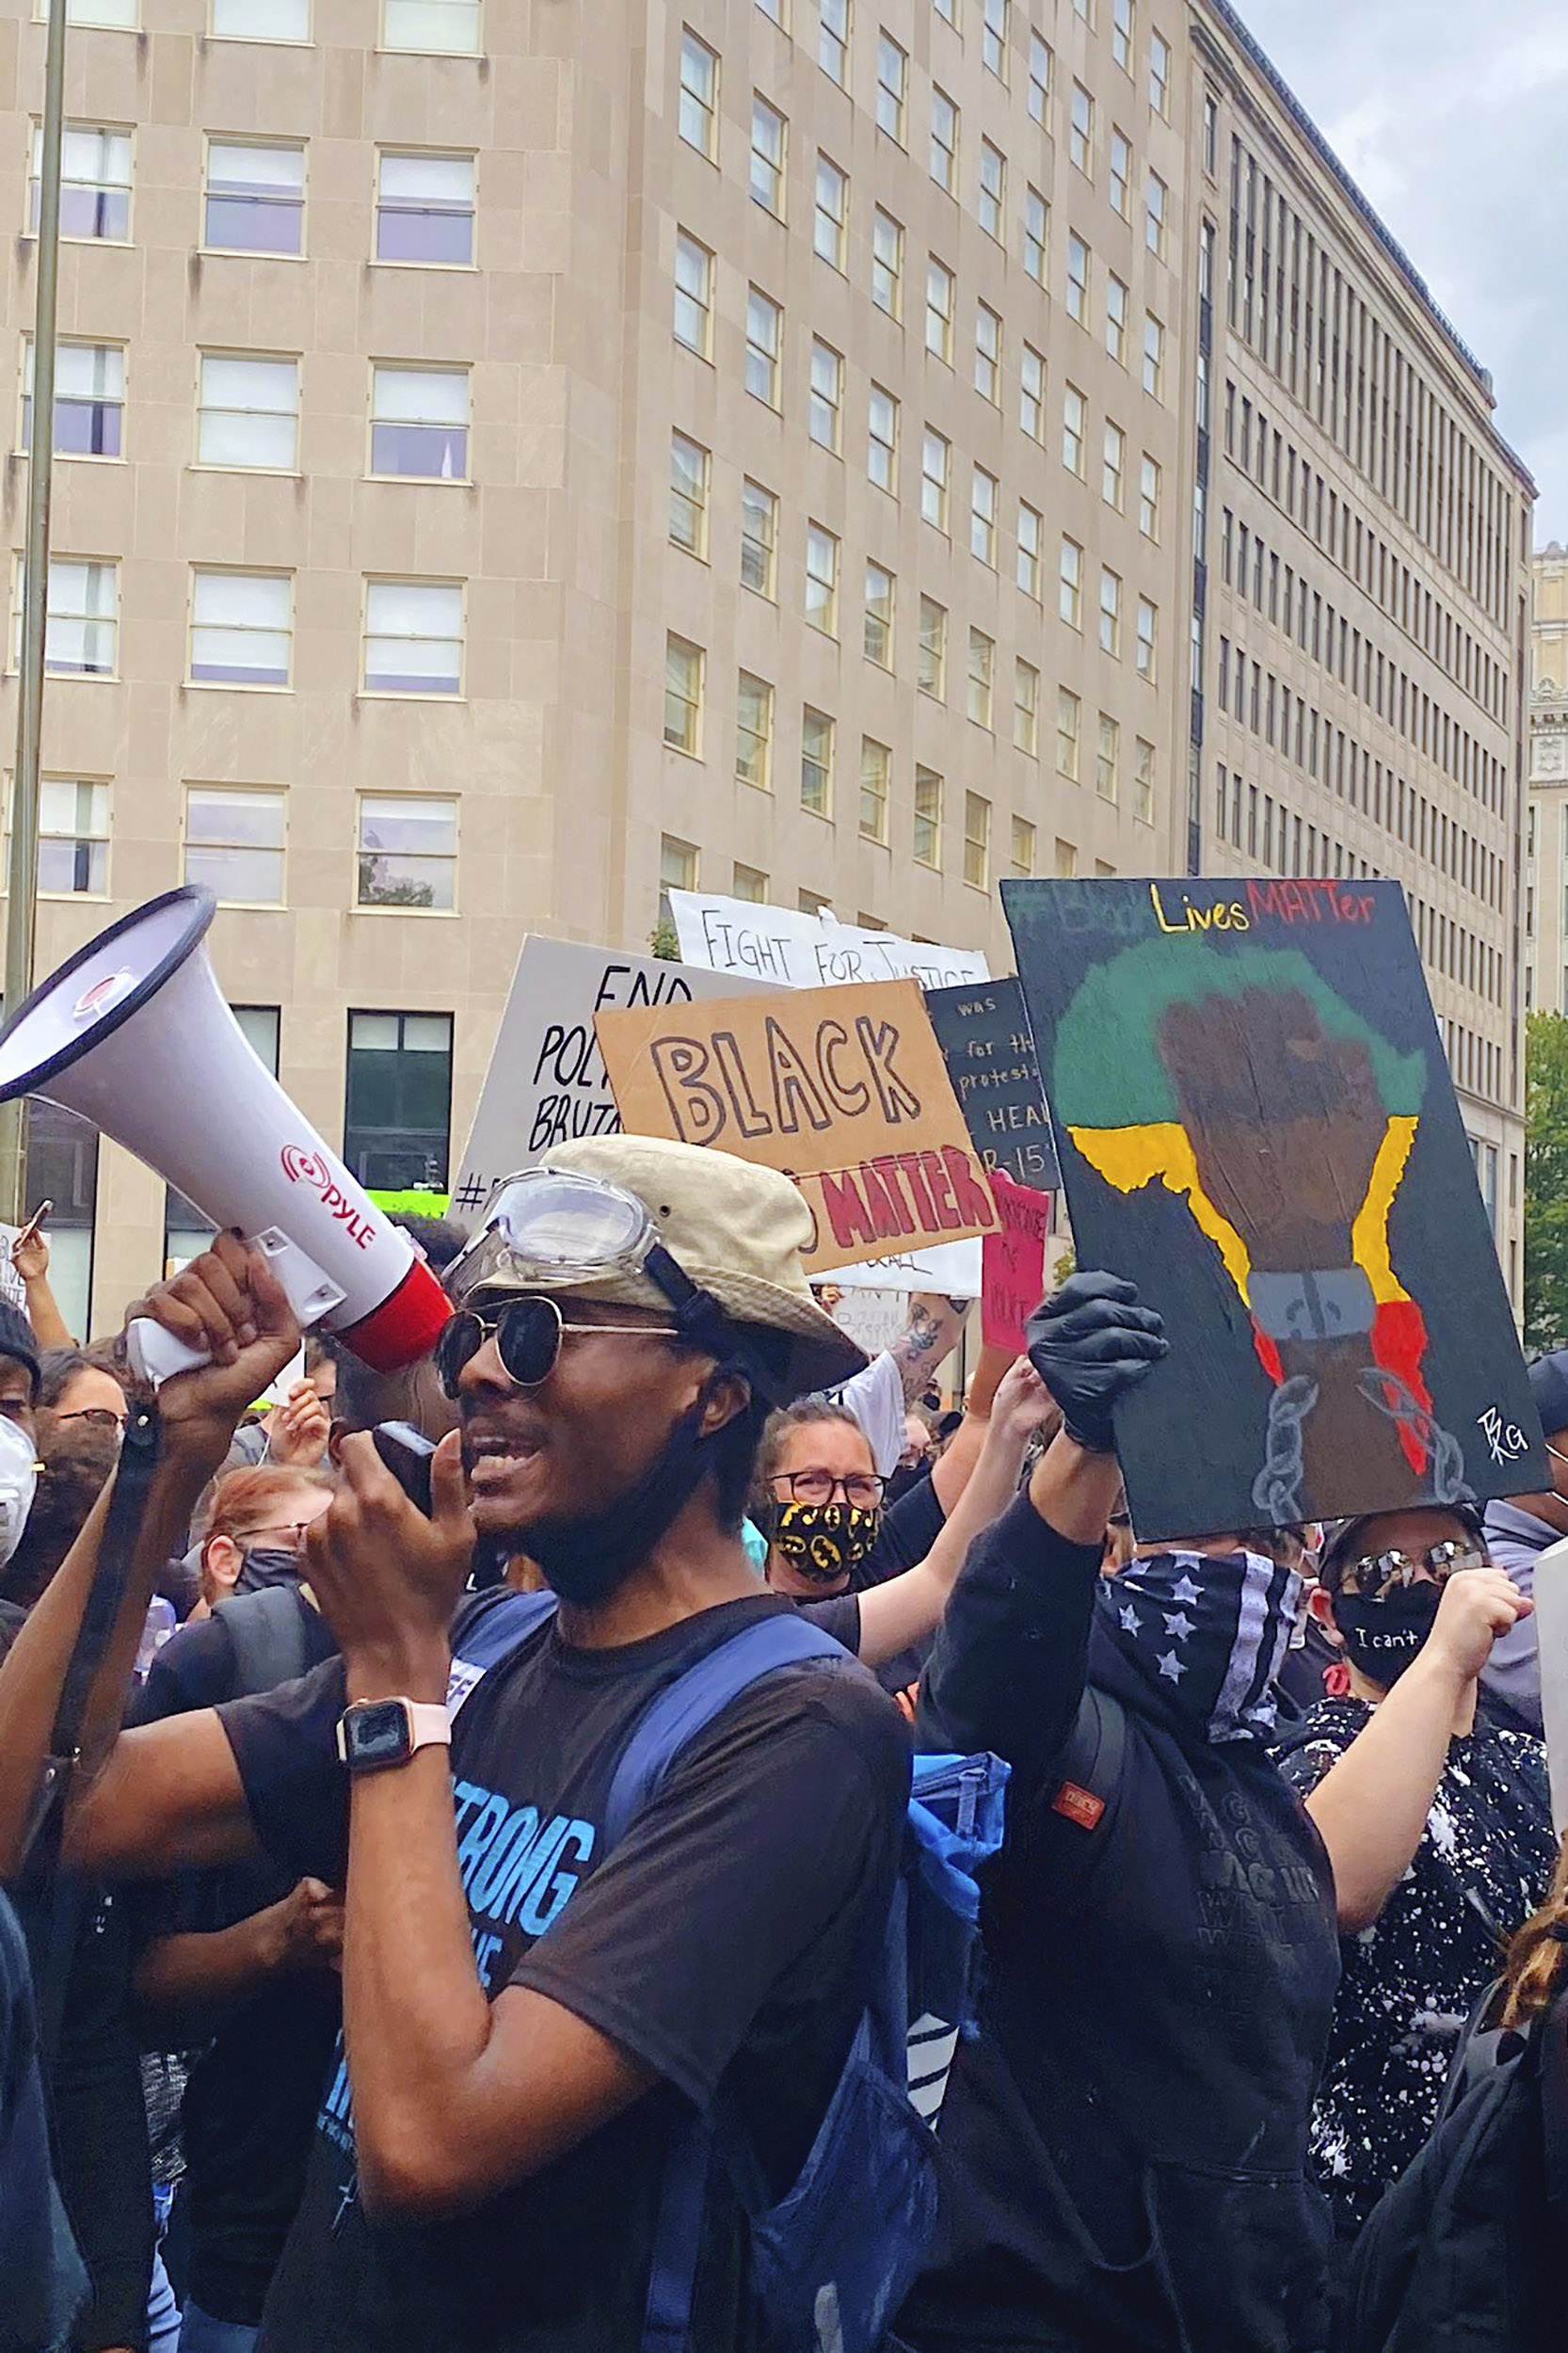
<point x="17" y="1484"/>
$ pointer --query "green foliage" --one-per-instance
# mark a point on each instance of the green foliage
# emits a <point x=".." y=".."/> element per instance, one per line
<point x="663" y="942"/>
<point x="1546" y="1181"/>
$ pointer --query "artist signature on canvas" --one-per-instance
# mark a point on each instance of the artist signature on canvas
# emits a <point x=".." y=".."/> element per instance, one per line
<point x="1506" y="1439"/>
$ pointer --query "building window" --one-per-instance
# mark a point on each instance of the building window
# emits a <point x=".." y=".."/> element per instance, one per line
<point x="825" y="407"/>
<point x="1039" y="76"/>
<point x="944" y="141"/>
<point x="833" y="41"/>
<point x="1030" y="548"/>
<point x="255" y="198"/>
<point x="1148" y="498"/>
<point x="419" y="422"/>
<point x="1149" y="624"/>
<point x="749" y="884"/>
<point x="1121" y="33"/>
<point x="81" y="620"/>
<point x="876" y="760"/>
<point x="413" y="637"/>
<point x="928" y="818"/>
<point x="1143" y="781"/>
<point x="242" y="628"/>
<point x="1069" y="728"/>
<point x="678" y="870"/>
<point x="1066" y="862"/>
<point x="1113" y="466"/>
<point x="1031" y="393"/>
<point x="935" y="469"/>
<point x="683" y="695"/>
<point x="1159" y="74"/>
<point x="939" y="309"/>
<point x="1026" y="708"/>
<point x="1075" y="428"/>
<point x="1121" y="169"/>
<point x="1157" y="215"/>
<point x="692" y="320"/>
<point x="987" y="354"/>
<point x="1037" y="235"/>
<point x="764" y="346"/>
<point x="433" y="28"/>
<point x="886" y="263"/>
<point x="234" y="844"/>
<point x="90" y="399"/>
<point x="73" y="838"/>
<point x="816" y="761"/>
<point x="1023" y="846"/>
<point x="882" y="440"/>
<point x="397" y="1106"/>
<point x="993" y="191"/>
<point x="1210" y="134"/>
<point x="1070" y="596"/>
<point x="118" y="16"/>
<point x="1105" y="763"/>
<point x="699" y="94"/>
<point x="1154" y="356"/>
<point x="1116" y="319"/>
<point x="981" y="676"/>
<point x="1078" y="278"/>
<point x="879" y="616"/>
<point x="261" y="19"/>
<point x="977" y="841"/>
<point x="892" y="79"/>
<point x="758" y="538"/>
<point x="822" y="579"/>
<point x="993" y="38"/>
<point x="831" y="219"/>
<point x="407" y="853"/>
<point x="933" y="678"/>
<point x="95" y="182"/>
<point x="1110" y="612"/>
<point x="689" y="475"/>
<point x="753" y="732"/>
<point x="948" y="11"/>
<point x="248" y="415"/>
<point x="768" y="136"/>
<point x="1080" y="136"/>
<point x="982" y="516"/>
<point x="425" y="209"/>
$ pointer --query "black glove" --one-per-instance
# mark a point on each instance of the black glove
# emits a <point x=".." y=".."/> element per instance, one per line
<point x="1090" y="1342"/>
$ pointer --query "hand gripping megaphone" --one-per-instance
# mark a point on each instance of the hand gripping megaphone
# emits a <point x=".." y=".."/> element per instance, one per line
<point x="134" y="1034"/>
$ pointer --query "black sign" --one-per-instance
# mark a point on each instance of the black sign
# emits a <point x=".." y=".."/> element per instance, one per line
<point x="984" y="1033"/>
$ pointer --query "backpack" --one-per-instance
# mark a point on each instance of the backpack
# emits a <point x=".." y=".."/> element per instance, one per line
<point x="1467" y="2251"/>
<point x="267" y="1632"/>
<point x="833" y="2260"/>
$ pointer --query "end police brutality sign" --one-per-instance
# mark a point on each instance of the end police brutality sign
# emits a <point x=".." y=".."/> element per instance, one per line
<point x="844" y="1089"/>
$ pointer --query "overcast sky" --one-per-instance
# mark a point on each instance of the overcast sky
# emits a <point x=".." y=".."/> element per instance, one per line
<point x="1450" y="116"/>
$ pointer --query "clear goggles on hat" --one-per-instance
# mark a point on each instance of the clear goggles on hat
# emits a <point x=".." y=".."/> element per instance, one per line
<point x="550" y="1229"/>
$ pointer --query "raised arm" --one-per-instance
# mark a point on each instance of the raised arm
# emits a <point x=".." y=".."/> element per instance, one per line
<point x="1371" y="1807"/>
<point x="931" y="1335"/>
<point x="30" y="1258"/>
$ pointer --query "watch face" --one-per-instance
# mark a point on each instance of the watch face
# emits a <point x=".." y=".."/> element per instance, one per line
<point x="376" y="1732"/>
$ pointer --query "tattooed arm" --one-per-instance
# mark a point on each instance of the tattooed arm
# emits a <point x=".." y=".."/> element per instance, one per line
<point x="930" y="1334"/>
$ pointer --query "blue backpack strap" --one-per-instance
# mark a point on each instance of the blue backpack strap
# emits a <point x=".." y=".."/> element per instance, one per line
<point x="492" y="1632"/>
<point x="686" y="1706"/>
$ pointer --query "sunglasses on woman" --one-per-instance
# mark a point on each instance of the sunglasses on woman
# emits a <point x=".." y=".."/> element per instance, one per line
<point x="1377" y="1572"/>
<point x="528" y="1333"/>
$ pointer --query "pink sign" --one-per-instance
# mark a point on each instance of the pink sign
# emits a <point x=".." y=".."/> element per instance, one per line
<point x="1013" y="1262"/>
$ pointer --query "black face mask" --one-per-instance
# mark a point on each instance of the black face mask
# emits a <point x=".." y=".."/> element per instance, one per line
<point x="589" y="1557"/>
<point x="268" y="1564"/>
<point x="1383" y="1636"/>
<point x="823" y="1541"/>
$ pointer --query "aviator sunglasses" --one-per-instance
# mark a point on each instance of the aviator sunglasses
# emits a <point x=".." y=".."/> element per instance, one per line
<point x="528" y="1333"/>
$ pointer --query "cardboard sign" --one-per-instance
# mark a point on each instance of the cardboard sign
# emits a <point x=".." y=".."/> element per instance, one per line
<point x="796" y="950"/>
<point x="546" y="1083"/>
<point x="1013" y="1263"/>
<point x="984" y="1034"/>
<point x="1255" y="1123"/>
<point x="844" y="1090"/>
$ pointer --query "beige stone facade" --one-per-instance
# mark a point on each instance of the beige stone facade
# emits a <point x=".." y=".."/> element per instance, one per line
<point x="519" y="456"/>
<point x="1546" y="816"/>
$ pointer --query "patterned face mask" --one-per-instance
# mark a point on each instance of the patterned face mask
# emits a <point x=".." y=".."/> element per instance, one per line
<point x="1209" y="1632"/>
<point x="823" y="1541"/>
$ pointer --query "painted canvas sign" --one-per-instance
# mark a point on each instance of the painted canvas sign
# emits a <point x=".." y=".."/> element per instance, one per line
<point x="1255" y="1123"/>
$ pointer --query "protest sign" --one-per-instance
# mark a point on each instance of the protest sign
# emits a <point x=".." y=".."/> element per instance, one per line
<point x="984" y="1033"/>
<point x="546" y="1083"/>
<point x="952" y="1268"/>
<point x="1013" y="1263"/>
<point x="843" y="1089"/>
<point x="13" y="1289"/>
<point x="1255" y="1123"/>
<point x="874" y="1319"/>
<point x="797" y="951"/>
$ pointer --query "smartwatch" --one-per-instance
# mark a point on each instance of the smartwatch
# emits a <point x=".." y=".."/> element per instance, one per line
<point x="373" y="1733"/>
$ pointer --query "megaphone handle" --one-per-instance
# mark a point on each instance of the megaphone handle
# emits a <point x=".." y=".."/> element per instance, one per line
<point x="155" y="1354"/>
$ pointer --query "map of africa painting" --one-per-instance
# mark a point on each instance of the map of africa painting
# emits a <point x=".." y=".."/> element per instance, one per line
<point x="1257" y="1124"/>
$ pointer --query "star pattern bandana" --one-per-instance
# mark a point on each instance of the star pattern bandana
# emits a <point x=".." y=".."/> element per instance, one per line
<point x="1209" y="1631"/>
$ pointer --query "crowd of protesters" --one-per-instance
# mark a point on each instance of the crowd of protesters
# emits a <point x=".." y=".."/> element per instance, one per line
<point x="355" y="2007"/>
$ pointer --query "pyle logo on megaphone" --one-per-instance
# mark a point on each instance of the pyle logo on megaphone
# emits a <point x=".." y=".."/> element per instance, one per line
<point x="302" y="1166"/>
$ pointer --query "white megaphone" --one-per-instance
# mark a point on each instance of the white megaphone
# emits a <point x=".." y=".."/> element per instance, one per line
<point x="134" y="1034"/>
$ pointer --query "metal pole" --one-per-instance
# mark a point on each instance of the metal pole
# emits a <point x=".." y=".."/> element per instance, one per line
<point x="22" y="880"/>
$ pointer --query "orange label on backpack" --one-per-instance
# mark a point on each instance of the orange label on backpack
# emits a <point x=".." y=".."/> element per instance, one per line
<point x="1080" y="1805"/>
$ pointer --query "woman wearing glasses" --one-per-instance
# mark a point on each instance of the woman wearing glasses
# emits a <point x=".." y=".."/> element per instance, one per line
<point x="1437" y="1822"/>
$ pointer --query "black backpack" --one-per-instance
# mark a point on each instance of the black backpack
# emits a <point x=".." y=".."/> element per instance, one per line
<point x="1467" y="2251"/>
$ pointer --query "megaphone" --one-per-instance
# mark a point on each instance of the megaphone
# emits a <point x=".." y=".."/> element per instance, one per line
<point x="133" y="1032"/>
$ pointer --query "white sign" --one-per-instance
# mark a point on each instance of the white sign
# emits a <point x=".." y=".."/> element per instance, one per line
<point x="546" y="1083"/>
<point x="797" y="951"/>
<point x="952" y="1268"/>
<point x="874" y="1319"/>
<point x="13" y="1289"/>
<point x="1549" y="1591"/>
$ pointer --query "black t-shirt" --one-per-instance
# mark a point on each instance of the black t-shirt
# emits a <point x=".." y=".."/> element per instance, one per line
<point x="909" y="1529"/>
<point x="728" y="1943"/>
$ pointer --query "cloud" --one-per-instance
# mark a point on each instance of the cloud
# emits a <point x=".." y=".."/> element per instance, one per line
<point x="1451" y="121"/>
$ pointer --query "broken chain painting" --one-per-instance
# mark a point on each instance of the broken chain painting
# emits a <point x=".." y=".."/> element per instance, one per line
<point x="1256" y="1125"/>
